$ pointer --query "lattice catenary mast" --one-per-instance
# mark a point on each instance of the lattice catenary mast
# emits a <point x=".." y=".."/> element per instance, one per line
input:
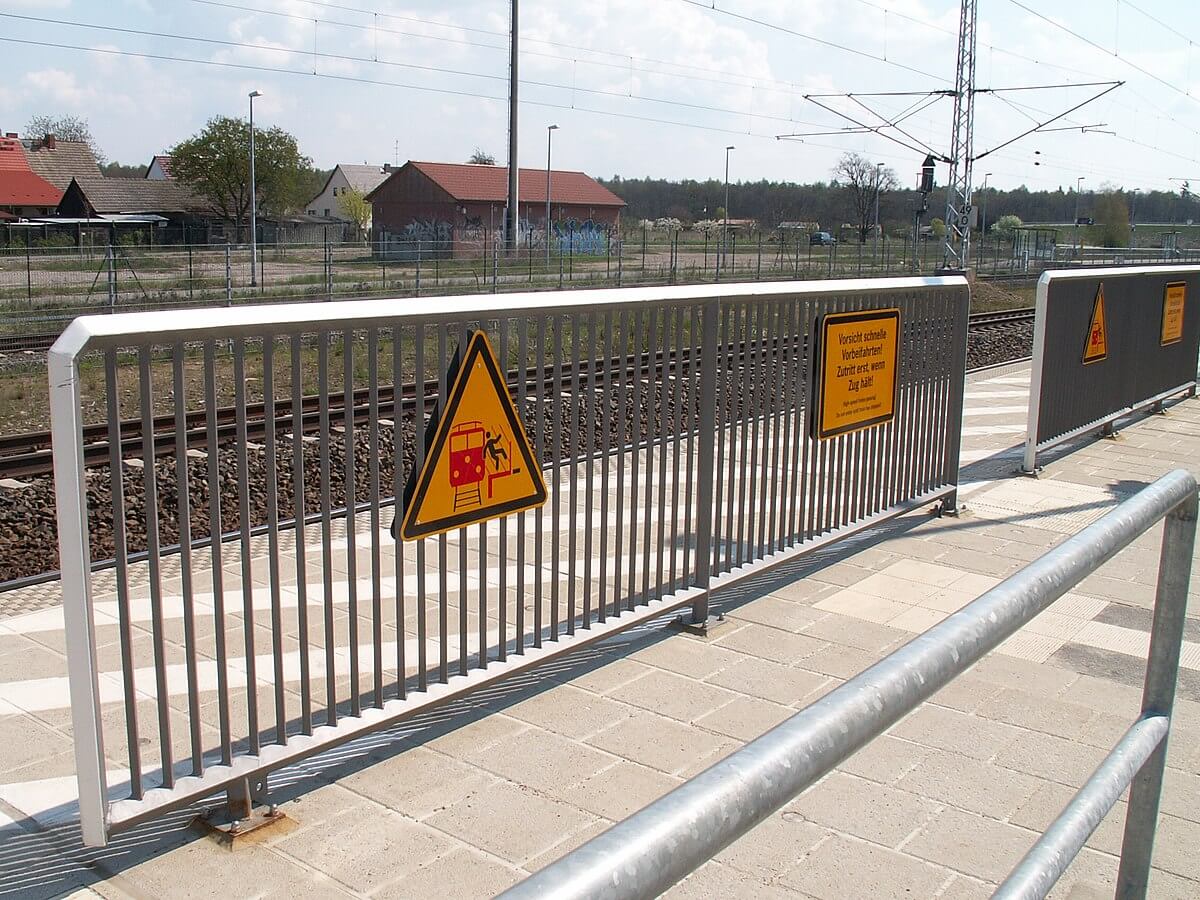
<point x="958" y="189"/>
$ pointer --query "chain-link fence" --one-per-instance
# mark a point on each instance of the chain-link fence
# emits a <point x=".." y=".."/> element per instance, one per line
<point x="41" y="289"/>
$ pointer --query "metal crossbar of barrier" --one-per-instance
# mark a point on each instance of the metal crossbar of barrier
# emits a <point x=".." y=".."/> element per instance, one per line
<point x="672" y="425"/>
<point x="656" y="847"/>
<point x="1107" y="343"/>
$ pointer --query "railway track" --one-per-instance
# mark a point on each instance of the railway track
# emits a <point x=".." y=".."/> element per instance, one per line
<point x="27" y="455"/>
<point x="27" y="343"/>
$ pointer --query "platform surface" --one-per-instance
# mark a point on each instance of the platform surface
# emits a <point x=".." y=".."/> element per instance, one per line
<point x="466" y="803"/>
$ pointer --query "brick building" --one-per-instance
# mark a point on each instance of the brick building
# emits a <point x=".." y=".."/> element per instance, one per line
<point x="458" y="209"/>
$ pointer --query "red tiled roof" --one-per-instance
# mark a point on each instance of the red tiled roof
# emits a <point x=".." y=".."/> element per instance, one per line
<point x="465" y="181"/>
<point x="12" y="156"/>
<point x="27" y="189"/>
<point x="164" y="163"/>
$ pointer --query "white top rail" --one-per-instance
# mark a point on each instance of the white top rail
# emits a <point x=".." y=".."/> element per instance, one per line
<point x="228" y="321"/>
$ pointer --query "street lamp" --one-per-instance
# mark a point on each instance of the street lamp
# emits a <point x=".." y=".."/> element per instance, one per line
<point x="725" y="226"/>
<point x="253" y="198"/>
<point x="1078" y="187"/>
<point x="878" y="177"/>
<point x="983" y="211"/>
<point x="549" y="134"/>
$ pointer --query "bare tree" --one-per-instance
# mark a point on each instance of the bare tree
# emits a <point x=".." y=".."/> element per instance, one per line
<point x="64" y="128"/>
<point x="864" y="181"/>
<point x="482" y="158"/>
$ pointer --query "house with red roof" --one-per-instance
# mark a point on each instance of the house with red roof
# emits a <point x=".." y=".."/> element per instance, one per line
<point x="23" y="193"/>
<point x="457" y="209"/>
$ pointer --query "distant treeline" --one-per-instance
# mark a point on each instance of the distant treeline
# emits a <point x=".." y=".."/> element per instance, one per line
<point x="772" y="202"/>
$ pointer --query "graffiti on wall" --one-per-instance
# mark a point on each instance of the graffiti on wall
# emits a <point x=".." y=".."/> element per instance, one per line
<point x="433" y="231"/>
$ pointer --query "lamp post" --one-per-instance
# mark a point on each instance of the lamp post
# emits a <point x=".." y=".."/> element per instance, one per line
<point x="550" y="129"/>
<point x="983" y="211"/>
<point x="1078" y="187"/>
<point x="253" y="199"/>
<point x="878" y="177"/>
<point x="725" y="225"/>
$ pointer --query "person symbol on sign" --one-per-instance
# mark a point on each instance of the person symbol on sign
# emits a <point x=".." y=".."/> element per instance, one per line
<point x="494" y="450"/>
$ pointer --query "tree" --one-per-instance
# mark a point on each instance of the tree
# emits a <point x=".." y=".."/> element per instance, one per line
<point x="65" y="128"/>
<point x="216" y="165"/>
<point x="354" y="206"/>
<point x="1006" y="226"/>
<point x="121" y="170"/>
<point x="482" y="158"/>
<point x="864" y="181"/>
<point x="1111" y="215"/>
<point x="937" y="228"/>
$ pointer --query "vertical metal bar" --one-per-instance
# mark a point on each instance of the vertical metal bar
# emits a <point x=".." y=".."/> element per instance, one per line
<point x="215" y="532"/>
<point x="397" y="491"/>
<point x="620" y="451"/>
<point x="184" y="510"/>
<point x="117" y="488"/>
<point x="635" y="445"/>
<point x="605" y="450"/>
<point x="573" y="471"/>
<point x="299" y="509"/>
<point x="653" y="342"/>
<point x="715" y="355"/>
<point x="326" y="525"/>
<point x="243" y="476"/>
<point x="781" y="484"/>
<point x="272" y="486"/>
<point x="502" y="540"/>
<point x="676" y="438"/>
<point x="443" y="591"/>
<point x="1158" y="695"/>
<point x="348" y="482"/>
<point x="774" y="390"/>
<point x="556" y="500"/>
<point x="663" y="436"/>
<point x="373" y="517"/>
<point x="540" y="431"/>
<point x="758" y="367"/>
<point x="162" y="696"/>
<point x="589" y="457"/>
<point x="399" y="566"/>
<point x="418" y="462"/>
<point x="463" y="537"/>
<point x="706" y="433"/>
<point x="737" y="411"/>
<point x="695" y="348"/>
<point x="745" y="396"/>
<point x="522" y="395"/>
<point x="958" y="387"/>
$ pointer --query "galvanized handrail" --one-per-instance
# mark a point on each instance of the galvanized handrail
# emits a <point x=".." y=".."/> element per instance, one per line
<point x="716" y="477"/>
<point x="656" y="847"/>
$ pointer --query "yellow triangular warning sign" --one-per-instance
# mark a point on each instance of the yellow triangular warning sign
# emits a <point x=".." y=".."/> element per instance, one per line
<point x="479" y="464"/>
<point x="1096" y="348"/>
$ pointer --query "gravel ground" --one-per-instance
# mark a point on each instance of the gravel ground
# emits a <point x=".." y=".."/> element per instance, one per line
<point x="28" y="533"/>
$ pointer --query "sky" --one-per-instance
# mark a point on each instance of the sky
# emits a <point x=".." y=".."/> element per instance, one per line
<point x="638" y="88"/>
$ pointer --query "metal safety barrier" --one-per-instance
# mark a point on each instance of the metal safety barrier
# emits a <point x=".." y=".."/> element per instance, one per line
<point x="1107" y="343"/>
<point x="653" y="849"/>
<point x="673" y="425"/>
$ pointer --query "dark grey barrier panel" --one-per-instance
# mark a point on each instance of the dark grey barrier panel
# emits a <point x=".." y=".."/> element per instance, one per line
<point x="1072" y="391"/>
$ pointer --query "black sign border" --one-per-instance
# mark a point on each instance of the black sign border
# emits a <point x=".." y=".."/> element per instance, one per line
<point x="822" y="341"/>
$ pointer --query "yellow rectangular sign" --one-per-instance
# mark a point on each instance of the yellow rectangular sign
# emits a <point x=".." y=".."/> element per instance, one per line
<point x="856" y="378"/>
<point x="1172" y="315"/>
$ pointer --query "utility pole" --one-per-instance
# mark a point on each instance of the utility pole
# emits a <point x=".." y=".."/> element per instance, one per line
<point x="958" y="190"/>
<point x="253" y="201"/>
<point x="510" y="236"/>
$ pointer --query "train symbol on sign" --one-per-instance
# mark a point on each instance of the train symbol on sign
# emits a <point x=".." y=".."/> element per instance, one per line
<point x="477" y="454"/>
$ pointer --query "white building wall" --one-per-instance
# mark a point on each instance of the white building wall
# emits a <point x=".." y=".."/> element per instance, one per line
<point x="326" y="202"/>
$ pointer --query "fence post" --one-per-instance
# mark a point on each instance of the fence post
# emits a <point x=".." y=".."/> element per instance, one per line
<point x="1158" y="695"/>
<point x="705" y="472"/>
<point x="328" y="269"/>
<point x="228" y="278"/>
<point x="643" y="253"/>
<point x="418" y="267"/>
<point x="495" y="264"/>
<point x="111" y="262"/>
<point x="620" y="261"/>
<point x="28" y="274"/>
<point x="191" y="274"/>
<point x="758" y="269"/>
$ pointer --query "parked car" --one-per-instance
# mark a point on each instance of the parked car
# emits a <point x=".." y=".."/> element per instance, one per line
<point x="822" y="238"/>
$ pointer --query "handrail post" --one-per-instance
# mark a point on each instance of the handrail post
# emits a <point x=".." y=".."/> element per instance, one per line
<point x="1158" y="696"/>
<point x="706" y="453"/>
